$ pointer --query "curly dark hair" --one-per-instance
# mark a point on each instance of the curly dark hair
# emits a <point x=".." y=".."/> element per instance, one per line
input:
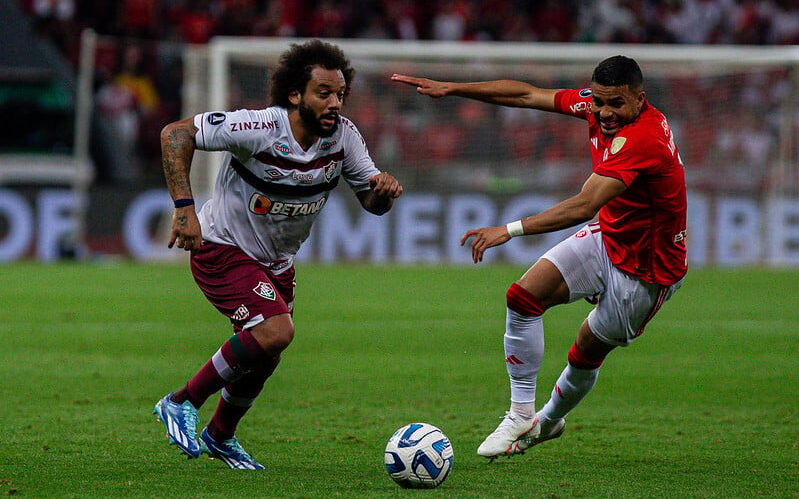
<point x="617" y="71"/>
<point x="296" y="64"/>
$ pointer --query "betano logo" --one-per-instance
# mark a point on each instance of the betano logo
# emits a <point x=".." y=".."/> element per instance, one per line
<point x="261" y="205"/>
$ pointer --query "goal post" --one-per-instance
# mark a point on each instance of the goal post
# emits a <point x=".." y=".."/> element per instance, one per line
<point x="733" y="109"/>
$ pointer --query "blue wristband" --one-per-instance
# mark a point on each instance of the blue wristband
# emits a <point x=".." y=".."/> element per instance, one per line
<point x="181" y="203"/>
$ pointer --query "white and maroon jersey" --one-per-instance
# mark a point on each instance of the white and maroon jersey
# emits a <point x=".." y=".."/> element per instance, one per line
<point x="269" y="190"/>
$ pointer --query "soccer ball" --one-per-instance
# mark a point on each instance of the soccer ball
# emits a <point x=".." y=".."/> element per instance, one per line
<point x="418" y="456"/>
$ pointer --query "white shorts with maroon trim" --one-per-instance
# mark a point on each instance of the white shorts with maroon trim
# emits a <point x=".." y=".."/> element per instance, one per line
<point x="626" y="304"/>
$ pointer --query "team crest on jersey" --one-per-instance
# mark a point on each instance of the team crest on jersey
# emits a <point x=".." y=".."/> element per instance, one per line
<point x="265" y="290"/>
<point x="617" y="144"/>
<point x="586" y="92"/>
<point x="241" y="313"/>
<point x="259" y="204"/>
<point x="330" y="170"/>
<point x="282" y="149"/>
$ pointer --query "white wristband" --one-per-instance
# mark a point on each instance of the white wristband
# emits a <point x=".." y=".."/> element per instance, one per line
<point x="515" y="228"/>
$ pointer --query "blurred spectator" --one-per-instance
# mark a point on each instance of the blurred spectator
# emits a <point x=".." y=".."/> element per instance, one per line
<point x="140" y="89"/>
<point x="451" y="20"/>
<point x="138" y="18"/>
<point x="125" y="102"/>
<point x="197" y="23"/>
<point x="326" y="21"/>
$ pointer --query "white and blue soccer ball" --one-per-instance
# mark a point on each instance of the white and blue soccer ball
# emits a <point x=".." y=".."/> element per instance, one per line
<point x="418" y="456"/>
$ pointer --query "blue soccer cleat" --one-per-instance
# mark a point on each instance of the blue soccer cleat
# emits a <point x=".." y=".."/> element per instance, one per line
<point x="229" y="451"/>
<point x="180" y="422"/>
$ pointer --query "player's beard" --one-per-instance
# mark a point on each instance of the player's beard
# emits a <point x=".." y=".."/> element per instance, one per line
<point x="313" y="124"/>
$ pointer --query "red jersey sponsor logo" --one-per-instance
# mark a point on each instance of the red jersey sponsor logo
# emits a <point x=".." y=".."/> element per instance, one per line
<point x="580" y="106"/>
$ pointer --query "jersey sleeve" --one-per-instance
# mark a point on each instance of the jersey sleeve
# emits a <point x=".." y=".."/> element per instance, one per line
<point x="240" y="132"/>
<point x="358" y="166"/>
<point x="628" y="156"/>
<point x="575" y="103"/>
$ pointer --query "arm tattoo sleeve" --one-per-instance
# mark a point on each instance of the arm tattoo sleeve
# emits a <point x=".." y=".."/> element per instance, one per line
<point x="177" y="150"/>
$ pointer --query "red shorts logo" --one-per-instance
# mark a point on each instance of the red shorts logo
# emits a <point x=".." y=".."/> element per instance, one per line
<point x="582" y="233"/>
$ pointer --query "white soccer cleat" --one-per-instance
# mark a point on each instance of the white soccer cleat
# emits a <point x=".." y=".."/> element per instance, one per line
<point x="505" y="440"/>
<point x="549" y="429"/>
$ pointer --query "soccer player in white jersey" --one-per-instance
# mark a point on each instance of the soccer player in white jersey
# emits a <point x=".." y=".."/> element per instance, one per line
<point x="632" y="259"/>
<point x="280" y="166"/>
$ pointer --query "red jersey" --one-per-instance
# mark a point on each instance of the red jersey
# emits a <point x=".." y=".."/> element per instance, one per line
<point x="643" y="228"/>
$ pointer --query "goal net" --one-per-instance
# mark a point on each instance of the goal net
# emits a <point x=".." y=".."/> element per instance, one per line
<point x="733" y="111"/>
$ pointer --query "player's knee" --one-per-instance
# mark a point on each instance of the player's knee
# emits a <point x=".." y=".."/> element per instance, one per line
<point x="583" y="360"/>
<point x="284" y="337"/>
<point x="275" y="334"/>
<point x="523" y="302"/>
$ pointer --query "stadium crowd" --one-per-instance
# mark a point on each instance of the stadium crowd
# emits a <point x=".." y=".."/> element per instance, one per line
<point x="139" y="67"/>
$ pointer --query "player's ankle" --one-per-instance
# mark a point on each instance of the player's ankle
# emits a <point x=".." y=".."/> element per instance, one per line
<point x="523" y="409"/>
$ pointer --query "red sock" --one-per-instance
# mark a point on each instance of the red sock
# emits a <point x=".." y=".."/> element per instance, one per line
<point x="523" y="302"/>
<point x="578" y="359"/>
<point x="235" y="357"/>
<point x="236" y="400"/>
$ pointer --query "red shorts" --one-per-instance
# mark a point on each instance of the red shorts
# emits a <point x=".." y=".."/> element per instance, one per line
<point x="240" y="287"/>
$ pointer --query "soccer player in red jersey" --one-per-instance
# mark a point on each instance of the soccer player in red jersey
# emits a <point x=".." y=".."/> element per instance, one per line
<point x="629" y="262"/>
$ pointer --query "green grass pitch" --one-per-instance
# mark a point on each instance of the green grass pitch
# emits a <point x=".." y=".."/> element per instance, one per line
<point x="703" y="405"/>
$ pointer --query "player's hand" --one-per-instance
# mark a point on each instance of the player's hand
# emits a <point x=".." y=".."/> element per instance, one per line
<point x="424" y="86"/>
<point x="485" y="238"/>
<point x="186" y="231"/>
<point x="385" y="186"/>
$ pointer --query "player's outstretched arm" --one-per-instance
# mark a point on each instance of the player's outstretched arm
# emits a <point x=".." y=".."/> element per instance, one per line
<point x="596" y="192"/>
<point x="501" y="92"/>
<point x="384" y="189"/>
<point x="177" y="150"/>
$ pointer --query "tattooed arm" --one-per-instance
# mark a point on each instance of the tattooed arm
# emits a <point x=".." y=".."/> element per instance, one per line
<point x="177" y="150"/>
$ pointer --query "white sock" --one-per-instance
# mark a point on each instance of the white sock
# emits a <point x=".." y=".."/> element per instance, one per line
<point x="524" y="349"/>
<point x="572" y="386"/>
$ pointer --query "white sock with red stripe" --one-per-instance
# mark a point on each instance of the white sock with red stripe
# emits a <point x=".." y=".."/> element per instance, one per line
<point x="524" y="349"/>
<point x="572" y="386"/>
